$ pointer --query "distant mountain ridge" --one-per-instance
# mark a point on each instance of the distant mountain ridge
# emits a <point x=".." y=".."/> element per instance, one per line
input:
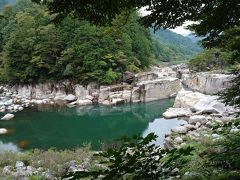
<point x="170" y="46"/>
<point x="194" y="38"/>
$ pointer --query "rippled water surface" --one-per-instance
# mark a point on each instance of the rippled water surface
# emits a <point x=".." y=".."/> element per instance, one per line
<point x="62" y="127"/>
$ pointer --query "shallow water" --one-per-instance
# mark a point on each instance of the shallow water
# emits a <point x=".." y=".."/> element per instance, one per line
<point x="62" y="127"/>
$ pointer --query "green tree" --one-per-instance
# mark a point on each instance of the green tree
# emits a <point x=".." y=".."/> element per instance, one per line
<point x="214" y="16"/>
<point x="206" y="60"/>
<point x="75" y="49"/>
<point x="136" y="158"/>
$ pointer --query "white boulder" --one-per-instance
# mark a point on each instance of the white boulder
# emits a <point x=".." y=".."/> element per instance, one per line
<point x="126" y="96"/>
<point x="211" y="104"/>
<point x="70" y="98"/>
<point x="116" y="101"/>
<point x="84" y="102"/>
<point x="7" y="117"/>
<point x="106" y="103"/>
<point x="180" y="129"/>
<point x="177" y="112"/>
<point x="104" y="94"/>
<point x="59" y="97"/>
<point x="81" y="92"/>
<point x="16" y="107"/>
<point x="135" y="95"/>
<point x="187" y="99"/>
<point x="198" y="119"/>
<point x="178" y="140"/>
<point x="20" y="108"/>
<point x="3" y="131"/>
<point x="190" y="127"/>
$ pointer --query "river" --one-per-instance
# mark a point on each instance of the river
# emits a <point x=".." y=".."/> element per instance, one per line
<point x="44" y="127"/>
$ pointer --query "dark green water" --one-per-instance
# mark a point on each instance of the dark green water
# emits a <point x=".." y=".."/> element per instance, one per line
<point x="46" y="127"/>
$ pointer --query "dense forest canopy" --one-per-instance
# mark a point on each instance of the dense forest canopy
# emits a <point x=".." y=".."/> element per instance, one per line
<point x="213" y="16"/>
<point x="206" y="60"/>
<point x="35" y="50"/>
<point x="77" y="50"/>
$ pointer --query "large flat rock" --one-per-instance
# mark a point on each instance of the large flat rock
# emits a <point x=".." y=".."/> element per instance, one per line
<point x="159" y="89"/>
<point x="187" y="99"/>
<point x="177" y="112"/>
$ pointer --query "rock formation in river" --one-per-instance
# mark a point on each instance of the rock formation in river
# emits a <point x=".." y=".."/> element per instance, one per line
<point x="207" y="82"/>
<point x="155" y="84"/>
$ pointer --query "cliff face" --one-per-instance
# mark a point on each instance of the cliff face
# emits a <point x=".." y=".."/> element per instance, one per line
<point x="155" y="84"/>
<point x="207" y="82"/>
<point x="158" y="83"/>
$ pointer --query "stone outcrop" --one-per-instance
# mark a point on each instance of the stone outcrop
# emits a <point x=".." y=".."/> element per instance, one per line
<point x="177" y="112"/>
<point x="155" y="84"/>
<point x="159" y="89"/>
<point x="211" y="104"/>
<point x="206" y="82"/>
<point x="187" y="99"/>
<point x="128" y="77"/>
<point x="202" y="111"/>
<point x="70" y="98"/>
<point x="180" y="129"/>
<point x="188" y="103"/>
<point x="198" y="118"/>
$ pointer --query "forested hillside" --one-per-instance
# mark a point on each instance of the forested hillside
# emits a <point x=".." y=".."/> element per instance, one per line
<point x="33" y="49"/>
<point x="169" y="46"/>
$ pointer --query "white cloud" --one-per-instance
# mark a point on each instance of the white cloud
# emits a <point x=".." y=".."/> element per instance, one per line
<point x="181" y="29"/>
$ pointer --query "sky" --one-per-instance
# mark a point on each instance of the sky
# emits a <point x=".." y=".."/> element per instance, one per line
<point x="180" y="30"/>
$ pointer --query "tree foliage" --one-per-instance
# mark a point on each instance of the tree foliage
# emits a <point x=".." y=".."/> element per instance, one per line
<point x="136" y="159"/>
<point x="231" y="96"/>
<point x="213" y="17"/>
<point x="4" y="2"/>
<point x="35" y="50"/>
<point x="229" y="157"/>
<point x="229" y="41"/>
<point x="206" y="60"/>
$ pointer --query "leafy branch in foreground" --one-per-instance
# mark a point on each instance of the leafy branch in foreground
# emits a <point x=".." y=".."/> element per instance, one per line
<point x="226" y="154"/>
<point x="231" y="95"/>
<point x="136" y="158"/>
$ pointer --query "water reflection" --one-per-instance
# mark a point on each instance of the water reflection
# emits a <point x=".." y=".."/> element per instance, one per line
<point x="61" y="127"/>
<point x="160" y="127"/>
<point x="8" y="147"/>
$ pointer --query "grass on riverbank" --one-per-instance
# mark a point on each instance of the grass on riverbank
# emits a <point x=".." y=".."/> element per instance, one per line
<point x="51" y="160"/>
<point x="214" y="158"/>
<point x="211" y="158"/>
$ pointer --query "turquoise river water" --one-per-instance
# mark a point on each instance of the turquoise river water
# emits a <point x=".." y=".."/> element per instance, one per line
<point x="61" y="127"/>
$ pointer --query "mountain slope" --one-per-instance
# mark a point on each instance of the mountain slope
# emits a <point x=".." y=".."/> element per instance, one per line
<point x="194" y="38"/>
<point x="170" y="46"/>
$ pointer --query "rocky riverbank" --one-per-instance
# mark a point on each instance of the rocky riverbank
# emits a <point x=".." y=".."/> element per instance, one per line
<point x="155" y="84"/>
<point x="201" y="112"/>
